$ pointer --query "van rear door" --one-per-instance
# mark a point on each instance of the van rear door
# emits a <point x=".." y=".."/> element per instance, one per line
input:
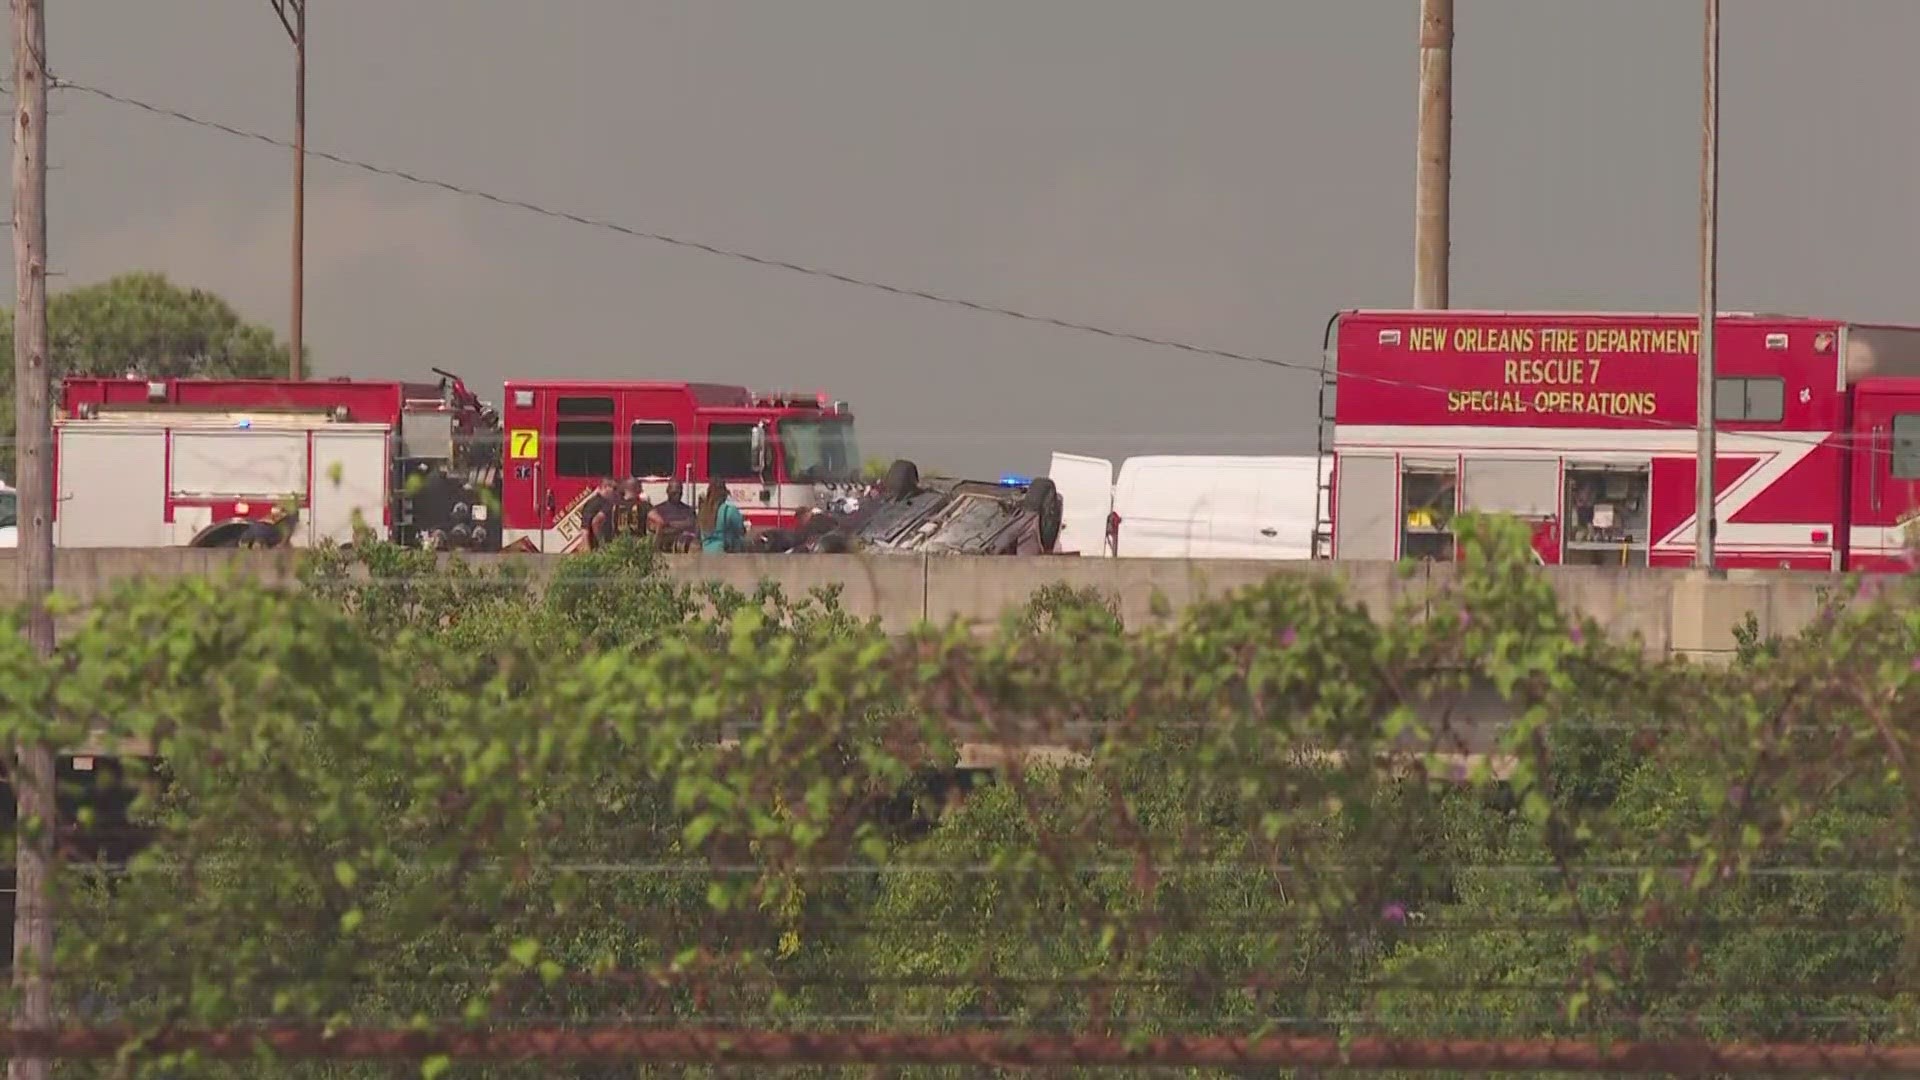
<point x="1085" y="485"/>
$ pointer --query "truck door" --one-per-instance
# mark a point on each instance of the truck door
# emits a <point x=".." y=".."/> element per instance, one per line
<point x="728" y="445"/>
<point x="582" y="451"/>
<point x="1526" y="488"/>
<point x="1884" y="487"/>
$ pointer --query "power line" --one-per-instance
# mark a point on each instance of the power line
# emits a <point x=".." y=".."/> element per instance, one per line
<point x="738" y="255"/>
<point x="854" y="280"/>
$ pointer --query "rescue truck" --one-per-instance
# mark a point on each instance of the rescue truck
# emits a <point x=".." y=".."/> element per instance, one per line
<point x="1584" y="425"/>
<point x="189" y="462"/>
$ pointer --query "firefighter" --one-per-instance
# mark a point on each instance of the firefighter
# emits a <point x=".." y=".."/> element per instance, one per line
<point x="634" y="510"/>
<point x="597" y="514"/>
<point x="275" y="530"/>
<point x="672" y="521"/>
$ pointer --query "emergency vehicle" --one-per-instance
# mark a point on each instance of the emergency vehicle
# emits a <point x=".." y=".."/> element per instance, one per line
<point x="1584" y="425"/>
<point x="188" y="462"/>
<point x="777" y="453"/>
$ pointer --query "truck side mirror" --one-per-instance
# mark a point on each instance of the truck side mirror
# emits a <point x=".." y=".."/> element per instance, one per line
<point x="757" y="448"/>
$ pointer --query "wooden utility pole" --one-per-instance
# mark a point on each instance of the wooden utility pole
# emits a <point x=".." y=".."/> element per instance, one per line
<point x="293" y="16"/>
<point x="1705" y="527"/>
<point x="1433" y="177"/>
<point x="33" y="779"/>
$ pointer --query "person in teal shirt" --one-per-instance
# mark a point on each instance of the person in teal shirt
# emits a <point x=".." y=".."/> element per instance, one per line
<point x="722" y="527"/>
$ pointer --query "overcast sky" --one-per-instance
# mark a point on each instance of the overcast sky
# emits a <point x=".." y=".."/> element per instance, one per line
<point x="1225" y="172"/>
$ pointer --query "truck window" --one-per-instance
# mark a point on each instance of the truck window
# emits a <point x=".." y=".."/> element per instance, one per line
<point x="583" y="447"/>
<point x="1760" y="401"/>
<point x="9" y="509"/>
<point x="1427" y="501"/>
<point x="650" y="448"/>
<point x="730" y="451"/>
<point x="1906" y="446"/>
<point x="820" y="450"/>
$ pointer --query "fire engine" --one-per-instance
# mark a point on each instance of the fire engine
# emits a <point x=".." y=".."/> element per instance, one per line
<point x="189" y="462"/>
<point x="1584" y="425"/>
<point x="777" y="453"/>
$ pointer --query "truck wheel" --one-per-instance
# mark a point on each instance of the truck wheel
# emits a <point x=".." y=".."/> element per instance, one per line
<point x="225" y="534"/>
<point x="901" y="482"/>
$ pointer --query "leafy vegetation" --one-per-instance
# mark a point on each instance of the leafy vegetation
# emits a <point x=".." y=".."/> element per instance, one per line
<point x="414" y="792"/>
<point x="143" y="322"/>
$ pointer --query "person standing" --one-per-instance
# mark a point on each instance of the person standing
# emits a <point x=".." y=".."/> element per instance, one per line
<point x="672" y="521"/>
<point x="597" y="514"/>
<point x="723" y="528"/>
<point x="634" y="510"/>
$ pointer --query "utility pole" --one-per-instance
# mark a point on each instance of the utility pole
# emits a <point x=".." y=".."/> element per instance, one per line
<point x="1705" y="526"/>
<point x="1433" y="175"/>
<point x="293" y="16"/>
<point x="33" y="779"/>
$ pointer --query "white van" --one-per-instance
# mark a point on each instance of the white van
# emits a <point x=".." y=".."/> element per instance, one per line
<point x="1189" y="506"/>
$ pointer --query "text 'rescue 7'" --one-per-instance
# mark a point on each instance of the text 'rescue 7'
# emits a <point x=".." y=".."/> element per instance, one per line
<point x="1583" y="424"/>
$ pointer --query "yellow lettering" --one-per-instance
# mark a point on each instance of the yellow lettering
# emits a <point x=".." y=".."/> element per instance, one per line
<point x="1482" y="339"/>
<point x="1485" y="401"/>
<point x="1641" y="339"/>
<point x="1604" y="403"/>
<point x="1564" y="381"/>
<point x="1559" y="341"/>
<point x="1550" y="371"/>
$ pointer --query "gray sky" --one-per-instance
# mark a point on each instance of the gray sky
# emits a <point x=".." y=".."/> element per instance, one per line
<point x="1226" y="172"/>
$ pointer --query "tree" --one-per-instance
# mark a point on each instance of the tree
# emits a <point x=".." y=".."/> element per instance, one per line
<point x="143" y="322"/>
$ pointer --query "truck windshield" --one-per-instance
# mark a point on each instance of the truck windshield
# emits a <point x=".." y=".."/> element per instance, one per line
<point x="9" y="509"/>
<point x="820" y="451"/>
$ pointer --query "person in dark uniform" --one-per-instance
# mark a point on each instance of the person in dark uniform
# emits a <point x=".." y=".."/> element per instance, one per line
<point x="671" y="522"/>
<point x="276" y="529"/>
<point x="634" y="510"/>
<point x="597" y="514"/>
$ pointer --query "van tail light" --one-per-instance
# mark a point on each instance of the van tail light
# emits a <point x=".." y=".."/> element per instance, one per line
<point x="1113" y="531"/>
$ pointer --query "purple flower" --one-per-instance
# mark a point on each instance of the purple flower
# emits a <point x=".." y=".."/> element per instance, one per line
<point x="1466" y="618"/>
<point x="1737" y="794"/>
<point x="1394" y="912"/>
<point x="1576" y="634"/>
<point x="1916" y="663"/>
<point x="1288" y="637"/>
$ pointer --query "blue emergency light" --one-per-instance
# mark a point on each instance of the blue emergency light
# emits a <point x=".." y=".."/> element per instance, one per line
<point x="1011" y="480"/>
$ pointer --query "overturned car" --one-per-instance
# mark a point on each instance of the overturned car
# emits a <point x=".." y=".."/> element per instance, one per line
<point x="903" y="514"/>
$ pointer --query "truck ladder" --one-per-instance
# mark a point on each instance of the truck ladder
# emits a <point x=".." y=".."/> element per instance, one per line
<point x="1323" y="482"/>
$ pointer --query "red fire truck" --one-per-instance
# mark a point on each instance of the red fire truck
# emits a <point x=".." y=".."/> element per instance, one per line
<point x="1584" y="425"/>
<point x="186" y="462"/>
<point x="777" y="453"/>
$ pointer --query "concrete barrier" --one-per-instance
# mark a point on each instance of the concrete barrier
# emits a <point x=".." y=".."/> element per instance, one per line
<point x="1678" y="612"/>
